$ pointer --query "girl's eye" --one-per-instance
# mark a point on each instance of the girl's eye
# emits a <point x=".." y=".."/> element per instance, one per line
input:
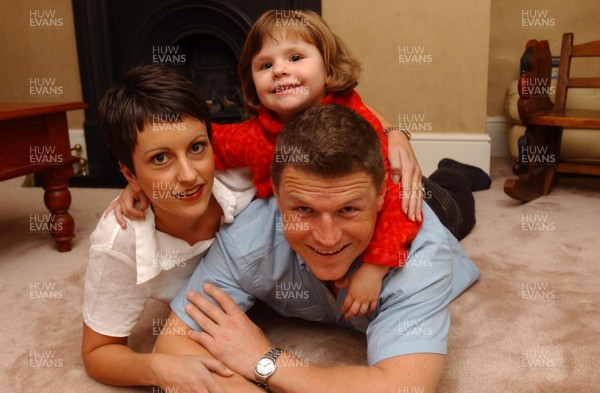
<point x="159" y="159"/>
<point x="295" y="58"/>
<point x="265" y="66"/>
<point x="197" y="147"/>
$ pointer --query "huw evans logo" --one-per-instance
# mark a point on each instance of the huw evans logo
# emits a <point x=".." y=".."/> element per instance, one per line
<point x="45" y="155"/>
<point x="44" y="87"/>
<point x="44" y="19"/>
<point x="413" y="54"/>
<point x="537" y="19"/>
<point x="412" y="122"/>
<point x="168" y="55"/>
<point x="44" y="359"/>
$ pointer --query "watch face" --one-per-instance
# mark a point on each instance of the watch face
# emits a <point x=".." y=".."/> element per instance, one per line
<point x="265" y="366"/>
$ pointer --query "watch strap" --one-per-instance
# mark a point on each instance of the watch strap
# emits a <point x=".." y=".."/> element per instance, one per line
<point x="262" y="381"/>
<point x="397" y="128"/>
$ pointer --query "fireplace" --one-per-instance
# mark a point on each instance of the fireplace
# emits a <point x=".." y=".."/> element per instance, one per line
<point x="203" y="36"/>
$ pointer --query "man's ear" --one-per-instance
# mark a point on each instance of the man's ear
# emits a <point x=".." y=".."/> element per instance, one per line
<point x="274" y="189"/>
<point x="130" y="176"/>
<point x="381" y="193"/>
<point x="276" y="195"/>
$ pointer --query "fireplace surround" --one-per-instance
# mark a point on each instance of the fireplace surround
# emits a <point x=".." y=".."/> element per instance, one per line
<point x="203" y="36"/>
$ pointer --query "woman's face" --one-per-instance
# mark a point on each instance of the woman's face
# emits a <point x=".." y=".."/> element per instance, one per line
<point x="174" y="167"/>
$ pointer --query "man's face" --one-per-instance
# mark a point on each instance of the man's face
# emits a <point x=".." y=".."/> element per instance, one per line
<point x="328" y="221"/>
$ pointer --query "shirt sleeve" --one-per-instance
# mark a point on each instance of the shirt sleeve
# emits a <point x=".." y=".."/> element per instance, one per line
<point x="219" y="268"/>
<point x="112" y="302"/>
<point x="414" y="314"/>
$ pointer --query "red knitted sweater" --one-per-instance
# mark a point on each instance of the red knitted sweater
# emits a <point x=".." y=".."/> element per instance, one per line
<point x="251" y="144"/>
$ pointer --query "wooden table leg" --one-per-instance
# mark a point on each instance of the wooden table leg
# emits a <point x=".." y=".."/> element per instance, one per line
<point x="58" y="200"/>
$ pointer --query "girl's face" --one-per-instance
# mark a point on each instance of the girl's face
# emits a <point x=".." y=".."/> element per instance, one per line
<point x="290" y="76"/>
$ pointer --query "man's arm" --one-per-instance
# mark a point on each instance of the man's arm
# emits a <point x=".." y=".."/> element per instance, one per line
<point x="174" y="341"/>
<point x="234" y="339"/>
<point x="406" y="373"/>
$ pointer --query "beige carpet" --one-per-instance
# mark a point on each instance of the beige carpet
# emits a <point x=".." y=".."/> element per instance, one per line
<point x="531" y="324"/>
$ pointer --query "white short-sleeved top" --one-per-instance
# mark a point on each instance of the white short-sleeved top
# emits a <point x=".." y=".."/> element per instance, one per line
<point x="127" y="267"/>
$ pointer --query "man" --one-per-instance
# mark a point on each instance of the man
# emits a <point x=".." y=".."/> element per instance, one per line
<point x="328" y="180"/>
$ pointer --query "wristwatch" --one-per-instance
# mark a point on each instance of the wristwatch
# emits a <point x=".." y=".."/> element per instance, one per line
<point x="397" y="128"/>
<point x="266" y="366"/>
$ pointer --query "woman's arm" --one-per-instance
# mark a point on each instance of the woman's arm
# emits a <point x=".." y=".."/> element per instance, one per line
<point x="109" y="360"/>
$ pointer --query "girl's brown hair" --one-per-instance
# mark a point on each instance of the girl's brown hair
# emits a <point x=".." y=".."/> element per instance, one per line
<point x="342" y="67"/>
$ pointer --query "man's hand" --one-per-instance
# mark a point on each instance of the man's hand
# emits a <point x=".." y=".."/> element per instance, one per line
<point x="188" y="374"/>
<point x="228" y="334"/>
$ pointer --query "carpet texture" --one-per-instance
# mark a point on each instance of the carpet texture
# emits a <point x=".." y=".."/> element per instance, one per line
<point x="531" y="323"/>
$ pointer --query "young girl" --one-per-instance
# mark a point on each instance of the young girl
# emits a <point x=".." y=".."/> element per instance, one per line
<point x="288" y="64"/>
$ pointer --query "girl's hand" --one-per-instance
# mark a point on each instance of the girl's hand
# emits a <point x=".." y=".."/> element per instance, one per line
<point x="125" y="205"/>
<point x="188" y="374"/>
<point x="404" y="166"/>
<point x="364" y="287"/>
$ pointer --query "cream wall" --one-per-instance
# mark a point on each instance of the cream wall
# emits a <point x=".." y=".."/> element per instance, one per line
<point x="544" y="20"/>
<point x="444" y="92"/>
<point x="39" y="56"/>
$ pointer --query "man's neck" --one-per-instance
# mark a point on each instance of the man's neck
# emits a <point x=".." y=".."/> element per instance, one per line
<point x="332" y="287"/>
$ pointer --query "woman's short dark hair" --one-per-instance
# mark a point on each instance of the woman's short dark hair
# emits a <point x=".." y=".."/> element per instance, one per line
<point x="147" y="94"/>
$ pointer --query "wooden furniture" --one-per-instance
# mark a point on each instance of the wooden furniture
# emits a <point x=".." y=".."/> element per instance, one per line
<point x="539" y="148"/>
<point x="35" y="139"/>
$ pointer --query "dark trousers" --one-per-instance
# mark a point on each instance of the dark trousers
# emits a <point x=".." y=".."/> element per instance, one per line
<point x="448" y="193"/>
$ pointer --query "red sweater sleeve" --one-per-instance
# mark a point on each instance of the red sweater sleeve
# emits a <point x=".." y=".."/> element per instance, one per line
<point x="226" y="149"/>
<point x="394" y="231"/>
<point x="245" y="145"/>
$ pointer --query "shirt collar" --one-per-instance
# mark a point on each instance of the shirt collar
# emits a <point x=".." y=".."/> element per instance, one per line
<point x="157" y="251"/>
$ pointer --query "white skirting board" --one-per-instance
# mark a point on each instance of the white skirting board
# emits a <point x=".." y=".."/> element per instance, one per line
<point x="497" y="128"/>
<point x="472" y="149"/>
<point x="430" y="148"/>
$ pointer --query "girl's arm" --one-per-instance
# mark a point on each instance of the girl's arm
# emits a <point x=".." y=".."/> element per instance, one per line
<point x="364" y="287"/>
<point x="404" y="166"/>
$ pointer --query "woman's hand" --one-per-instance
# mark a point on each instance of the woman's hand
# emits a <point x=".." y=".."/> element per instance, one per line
<point x="188" y="374"/>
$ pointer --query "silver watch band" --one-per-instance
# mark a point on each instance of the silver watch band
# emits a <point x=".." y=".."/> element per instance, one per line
<point x="397" y="128"/>
<point x="273" y="354"/>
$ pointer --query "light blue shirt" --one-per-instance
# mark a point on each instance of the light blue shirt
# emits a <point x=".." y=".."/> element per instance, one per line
<point x="251" y="259"/>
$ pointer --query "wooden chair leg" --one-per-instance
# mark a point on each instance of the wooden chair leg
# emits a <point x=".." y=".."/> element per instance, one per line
<point x="553" y="137"/>
<point x="540" y="155"/>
